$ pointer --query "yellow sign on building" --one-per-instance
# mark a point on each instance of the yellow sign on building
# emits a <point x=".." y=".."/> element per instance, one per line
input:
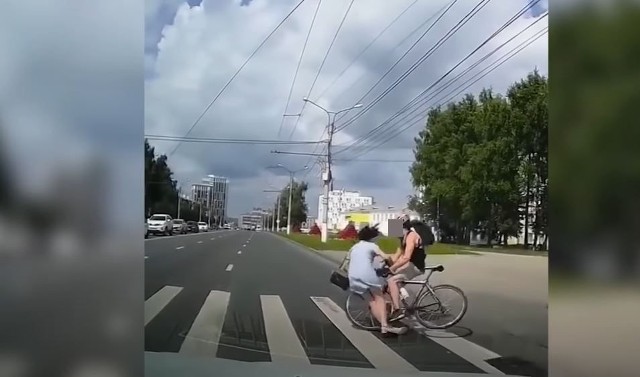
<point x="359" y="218"/>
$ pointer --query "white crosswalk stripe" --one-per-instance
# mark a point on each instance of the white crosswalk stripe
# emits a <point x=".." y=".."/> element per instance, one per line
<point x="203" y="337"/>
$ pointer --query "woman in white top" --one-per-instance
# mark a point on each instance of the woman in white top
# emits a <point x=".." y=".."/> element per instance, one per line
<point x="364" y="279"/>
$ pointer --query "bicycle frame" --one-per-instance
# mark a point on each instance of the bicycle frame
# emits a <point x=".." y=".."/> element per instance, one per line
<point x="424" y="284"/>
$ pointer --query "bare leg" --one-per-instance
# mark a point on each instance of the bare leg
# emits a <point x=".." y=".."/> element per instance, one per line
<point x="394" y="292"/>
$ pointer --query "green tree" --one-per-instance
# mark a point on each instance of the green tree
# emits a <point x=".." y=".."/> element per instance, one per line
<point x="161" y="194"/>
<point x="480" y="162"/>
<point x="298" y="205"/>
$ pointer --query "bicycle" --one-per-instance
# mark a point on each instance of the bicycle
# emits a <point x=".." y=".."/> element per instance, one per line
<point x="426" y="291"/>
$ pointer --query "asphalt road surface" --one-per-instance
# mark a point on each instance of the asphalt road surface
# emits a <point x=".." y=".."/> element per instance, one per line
<point x="256" y="297"/>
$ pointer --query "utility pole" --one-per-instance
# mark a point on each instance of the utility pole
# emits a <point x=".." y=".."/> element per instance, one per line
<point x="326" y="174"/>
<point x="289" y="209"/>
<point x="179" y="200"/>
<point x="210" y="203"/>
<point x="200" y="210"/>
<point x="273" y="217"/>
<point x="276" y="221"/>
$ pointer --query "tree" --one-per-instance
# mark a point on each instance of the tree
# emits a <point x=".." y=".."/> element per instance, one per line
<point x="298" y="205"/>
<point x="349" y="232"/>
<point x="480" y="162"/>
<point x="161" y="194"/>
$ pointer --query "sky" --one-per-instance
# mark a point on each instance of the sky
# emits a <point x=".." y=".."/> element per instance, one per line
<point x="193" y="48"/>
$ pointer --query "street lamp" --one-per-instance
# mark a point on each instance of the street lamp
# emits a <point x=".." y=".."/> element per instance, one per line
<point x="291" y="174"/>
<point x="326" y="176"/>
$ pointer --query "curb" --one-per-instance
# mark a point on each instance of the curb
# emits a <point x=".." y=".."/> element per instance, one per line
<point x="317" y="252"/>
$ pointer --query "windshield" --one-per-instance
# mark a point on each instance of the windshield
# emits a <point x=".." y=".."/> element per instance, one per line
<point x="158" y="218"/>
<point x="178" y="221"/>
<point x="202" y="223"/>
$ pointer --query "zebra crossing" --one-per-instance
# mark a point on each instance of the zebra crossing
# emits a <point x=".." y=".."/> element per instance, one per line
<point x="275" y="336"/>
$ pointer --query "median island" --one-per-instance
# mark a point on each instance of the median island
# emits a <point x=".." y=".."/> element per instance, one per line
<point x="387" y="244"/>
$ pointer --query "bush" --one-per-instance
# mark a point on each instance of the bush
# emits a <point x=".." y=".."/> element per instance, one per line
<point x="348" y="233"/>
<point x="315" y="230"/>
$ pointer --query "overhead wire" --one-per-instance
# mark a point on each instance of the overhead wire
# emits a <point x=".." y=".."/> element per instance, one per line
<point x="415" y="101"/>
<point x="419" y="62"/>
<point x="450" y="96"/>
<point x="335" y="36"/>
<point x="387" y="27"/>
<point x="295" y="75"/>
<point x="236" y="73"/>
<point x="228" y="141"/>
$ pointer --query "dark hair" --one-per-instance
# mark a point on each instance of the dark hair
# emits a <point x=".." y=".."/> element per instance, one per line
<point x="368" y="233"/>
<point x="407" y="224"/>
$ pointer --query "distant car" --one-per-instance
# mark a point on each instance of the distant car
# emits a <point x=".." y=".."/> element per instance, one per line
<point x="160" y="224"/>
<point x="179" y="226"/>
<point x="227" y="226"/>
<point x="203" y="227"/>
<point x="192" y="227"/>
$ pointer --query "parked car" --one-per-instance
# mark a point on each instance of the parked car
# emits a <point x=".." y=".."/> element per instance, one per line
<point x="160" y="224"/>
<point x="203" y="227"/>
<point x="179" y="226"/>
<point x="192" y="227"/>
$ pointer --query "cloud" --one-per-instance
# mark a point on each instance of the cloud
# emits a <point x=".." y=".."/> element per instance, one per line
<point x="202" y="47"/>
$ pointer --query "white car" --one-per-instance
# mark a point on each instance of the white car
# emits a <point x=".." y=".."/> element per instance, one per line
<point x="203" y="227"/>
<point x="160" y="224"/>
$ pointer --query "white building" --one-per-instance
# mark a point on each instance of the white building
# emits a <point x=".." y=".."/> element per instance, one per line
<point x="373" y="214"/>
<point x="340" y="201"/>
<point x="213" y="193"/>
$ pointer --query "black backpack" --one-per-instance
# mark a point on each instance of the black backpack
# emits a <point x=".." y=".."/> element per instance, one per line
<point x="424" y="231"/>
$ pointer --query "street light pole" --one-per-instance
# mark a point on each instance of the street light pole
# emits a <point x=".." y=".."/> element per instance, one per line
<point x="289" y="209"/>
<point x="326" y="174"/>
<point x="291" y="174"/>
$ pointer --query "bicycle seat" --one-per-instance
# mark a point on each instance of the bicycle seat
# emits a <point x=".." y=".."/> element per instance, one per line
<point x="438" y="268"/>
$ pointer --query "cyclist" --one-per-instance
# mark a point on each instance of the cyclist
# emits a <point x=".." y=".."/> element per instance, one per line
<point x="408" y="262"/>
<point x="364" y="277"/>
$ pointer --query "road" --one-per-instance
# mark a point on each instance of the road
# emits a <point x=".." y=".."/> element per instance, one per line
<point x="253" y="296"/>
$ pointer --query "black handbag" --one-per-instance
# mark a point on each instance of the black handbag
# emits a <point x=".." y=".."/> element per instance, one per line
<point x="339" y="277"/>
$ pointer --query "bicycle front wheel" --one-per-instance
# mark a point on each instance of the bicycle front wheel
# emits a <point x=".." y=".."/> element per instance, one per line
<point x="358" y="312"/>
<point x="441" y="309"/>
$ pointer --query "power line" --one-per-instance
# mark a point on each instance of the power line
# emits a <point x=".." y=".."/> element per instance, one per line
<point x="227" y="141"/>
<point x="422" y="59"/>
<point x="415" y="100"/>
<point x="236" y="73"/>
<point x="420" y="116"/>
<point x="366" y="48"/>
<point x="399" y="44"/>
<point x="415" y="43"/>
<point x="295" y="76"/>
<point x="335" y="36"/>
<point x="492" y="67"/>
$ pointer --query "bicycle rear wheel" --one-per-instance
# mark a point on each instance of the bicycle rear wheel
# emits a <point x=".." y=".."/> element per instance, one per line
<point x="435" y="312"/>
<point x="357" y="308"/>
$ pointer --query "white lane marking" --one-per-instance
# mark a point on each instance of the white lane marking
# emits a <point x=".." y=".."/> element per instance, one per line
<point x="464" y="348"/>
<point x="239" y="251"/>
<point x="204" y="335"/>
<point x="372" y="348"/>
<point x="284" y="344"/>
<point x="244" y="245"/>
<point x="199" y="241"/>
<point x="213" y="238"/>
<point x="158" y="301"/>
<point x="179" y="247"/>
<point x="146" y="257"/>
<point x="229" y="267"/>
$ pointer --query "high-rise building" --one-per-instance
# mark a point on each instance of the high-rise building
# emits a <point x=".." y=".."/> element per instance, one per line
<point x="340" y="201"/>
<point x="213" y="193"/>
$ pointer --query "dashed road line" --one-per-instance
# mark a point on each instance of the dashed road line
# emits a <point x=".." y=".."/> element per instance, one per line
<point x="179" y="247"/>
<point x="199" y="241"/>
<point x="239" y="251"/>
<point x="229" y="267"/>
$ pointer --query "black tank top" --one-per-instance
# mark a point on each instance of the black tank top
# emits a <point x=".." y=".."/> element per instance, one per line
<point x="418" y="256"/>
